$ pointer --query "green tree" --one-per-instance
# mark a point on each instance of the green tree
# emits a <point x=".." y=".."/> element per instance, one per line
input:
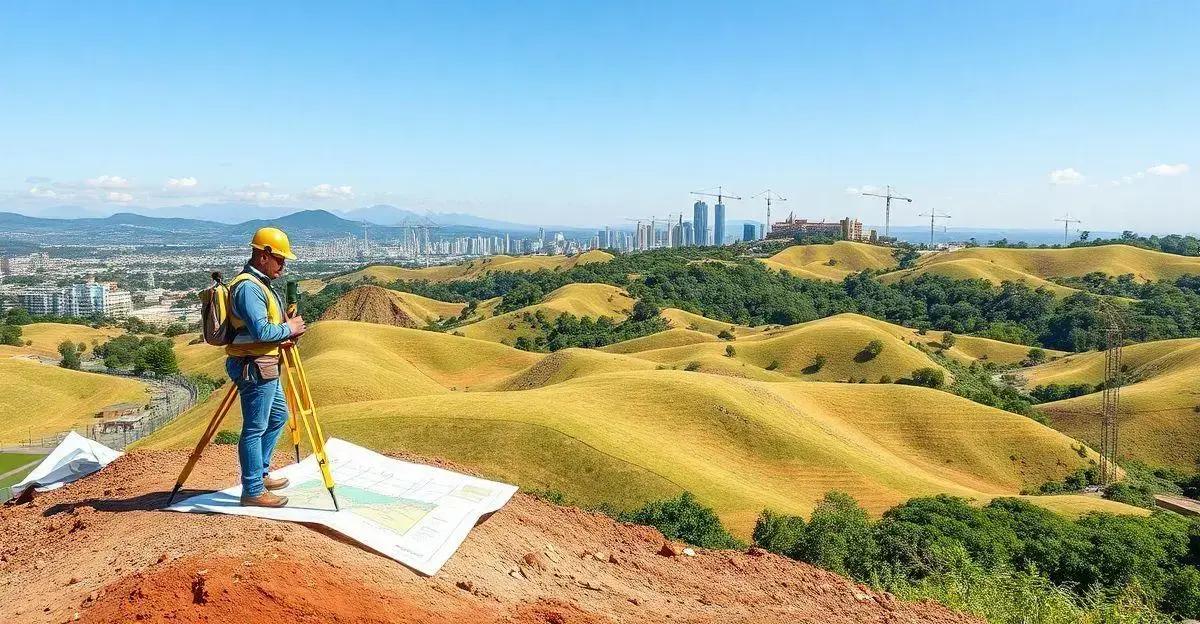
<point x="778" y="533"/>
<point x="18" y="316"/>
<point x="11" y="335"/>
<point x="929" y="377"/>
<point x="684" y="519"/>
<point x="156" y="356"/>
<point x="839" y="537"/>
<point x="948" y="340"/>
<point x="70" y="357"/>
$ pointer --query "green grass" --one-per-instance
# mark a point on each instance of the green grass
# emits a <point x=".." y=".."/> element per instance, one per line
<point x="12" y="461"/>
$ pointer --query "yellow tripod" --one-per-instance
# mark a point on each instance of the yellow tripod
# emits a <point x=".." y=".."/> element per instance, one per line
<point x="300" y="409"/>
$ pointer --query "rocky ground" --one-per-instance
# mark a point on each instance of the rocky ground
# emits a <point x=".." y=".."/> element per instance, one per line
<point x="100" y="550"/>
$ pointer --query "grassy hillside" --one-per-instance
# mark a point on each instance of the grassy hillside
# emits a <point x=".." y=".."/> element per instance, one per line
<point x="1037" y="265"/>
<point x="1089" y="367"/>
<point x="674" y="337"/>
<point x="590" y="300"/>
<point x="374" y="304"/>
<point x="739" y="445"/>
<point x="793" y="350"/>
<point x="690" y="320"/>
<point x="975" y="268"/>
<point x="199" y="358"/>
<point x="831" y="262"/>
<point x="43" y="400"/>
<point x="611" y="427"/>
<point x="473" y="268"/>
<point x="47" y="336"/>
<point x="1158" y="410"/>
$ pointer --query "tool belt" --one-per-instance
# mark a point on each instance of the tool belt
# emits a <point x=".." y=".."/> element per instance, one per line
<point x="267" y="366"/>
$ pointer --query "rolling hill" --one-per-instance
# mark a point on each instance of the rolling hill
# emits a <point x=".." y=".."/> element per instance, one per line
<point x="1035" y="266"/>
<point x="690" y="320"/>
<point x="470" y="269"/>
<point x="47" y="336"/>
<point x="580" y="299"/>
<point x="831" y="262"/>
<point x="38" y="399"/>
<point x="1158" y="409"/>
<point x="792" y="351"/>
<point x="614" y="428"/>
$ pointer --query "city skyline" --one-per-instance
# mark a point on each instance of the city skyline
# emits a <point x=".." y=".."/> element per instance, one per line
<point x="585" y="115"/>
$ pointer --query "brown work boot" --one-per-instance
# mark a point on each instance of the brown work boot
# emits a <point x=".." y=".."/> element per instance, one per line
<point x="274" y="483"/>
<point x="266" y="499"/>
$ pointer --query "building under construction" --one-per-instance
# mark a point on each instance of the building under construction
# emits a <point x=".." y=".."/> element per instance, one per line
<point x="845" y="229"/>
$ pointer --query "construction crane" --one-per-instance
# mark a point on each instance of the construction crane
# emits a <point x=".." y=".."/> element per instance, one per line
<point x="770" y="196"/>
<point x="720" y="194"/>
<point x="887" y="208"/>
<point x="932" y="214"/>
<point x="1067" y="221"/>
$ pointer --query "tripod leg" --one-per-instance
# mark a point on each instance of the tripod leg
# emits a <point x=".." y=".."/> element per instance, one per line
<point x="302" y="399"/>
<point x="294" y="428"/>
<point x="213" y="425"/>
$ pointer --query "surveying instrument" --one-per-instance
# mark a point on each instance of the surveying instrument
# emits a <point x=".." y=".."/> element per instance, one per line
<point x="300" y="409"/>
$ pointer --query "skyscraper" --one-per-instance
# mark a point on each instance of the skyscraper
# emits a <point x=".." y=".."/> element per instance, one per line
<point x="699" y="223"/>
<point x="749" y="231"/>
<point x="719" y="225"/>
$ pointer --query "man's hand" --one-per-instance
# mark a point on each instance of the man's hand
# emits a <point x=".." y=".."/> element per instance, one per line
<point x="296" y="324"/>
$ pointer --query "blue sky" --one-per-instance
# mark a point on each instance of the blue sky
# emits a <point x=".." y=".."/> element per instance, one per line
<point x="1002" y="114"/>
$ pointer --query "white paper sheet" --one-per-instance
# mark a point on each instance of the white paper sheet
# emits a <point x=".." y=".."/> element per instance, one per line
<point x="74" y="458"/>
<point x="415" y="514"/>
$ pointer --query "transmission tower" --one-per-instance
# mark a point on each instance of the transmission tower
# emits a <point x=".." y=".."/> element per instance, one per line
<point x="1067" y="221"/>
<point x="1109" y="426"/>
<point x="887" y="208"/>
<point x="932" y="214"/>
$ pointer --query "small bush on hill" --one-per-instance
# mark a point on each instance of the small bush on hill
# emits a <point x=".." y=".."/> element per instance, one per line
<point x="730" y="351"/>
<point x="686" y="520"/>
<point x="725" y="335"/>
<point x="70" y="355"/>
<point x="778" y="533"/>
<point x="928" y="377"/>
<point x="870" y="352"/>
<point x="817" y="364"/>
<point x="227" y="437"/>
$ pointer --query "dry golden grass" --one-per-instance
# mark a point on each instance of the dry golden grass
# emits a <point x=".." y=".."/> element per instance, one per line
<point x="375" y="304"/>
<point x="471" y="269"/>
<point x="1076" y="505"/>
<point x="975" y="268"/>
<point x="590" y="300"/>
<point x="674" y="337"/>
<point x="677" y="318"/>
<point x="311" y="286"/>
<point x="739" y="445"/>
<point x="1034" y="266"/>
<point x="199" y="358"/>
<point x="1158" y="410"/>
<point x="831" y="262"/>
<point x="47" y="336"/>
<point x="792" y="350"/>
<point x="1089" y="367"/>
<point x="40" y="400"/>
<point x="607" y="427"/>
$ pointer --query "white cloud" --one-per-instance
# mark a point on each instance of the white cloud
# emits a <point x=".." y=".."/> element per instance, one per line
<point x="1168" y="170"/>
<point x="38" y="191"/>
<point x="108" y="182"/>
<point x="182" y="183"/>
<point x="1066" y="176"/>
<point x="329" y="191"/>
<point x="259" y="192"/>
<point x="121" y="198"/>
<point x="859" y="190"/>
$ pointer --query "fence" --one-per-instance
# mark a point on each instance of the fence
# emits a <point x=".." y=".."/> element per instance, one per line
<point x="178" y="396"/>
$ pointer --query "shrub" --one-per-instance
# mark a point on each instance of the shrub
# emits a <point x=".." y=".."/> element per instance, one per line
<point x="929" y="377"/>
<point x="778" y="533"/>
<point x="870" y="352"/>
<point x="70" y="357"/>
<point x="838" y="537"/>
<point x="684" y="519"/>
<point x="948" y="340"/>
<point x="817" y="364"/>
<point x="725" y="335"/>
<point x="692" y="367"/>
<point x="227" y="437"/>
<point x="730" y="351"/>
<point x="773" y="365"/>
<point x="1035" y="356"/>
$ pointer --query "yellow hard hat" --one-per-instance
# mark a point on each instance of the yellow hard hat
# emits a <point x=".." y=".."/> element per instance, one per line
<point x="273" y="241"/>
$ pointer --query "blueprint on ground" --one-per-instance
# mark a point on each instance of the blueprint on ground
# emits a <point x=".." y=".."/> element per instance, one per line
<point x="415" y="514"/>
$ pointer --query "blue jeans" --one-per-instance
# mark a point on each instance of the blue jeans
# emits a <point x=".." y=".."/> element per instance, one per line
<point x="264" y="414"/>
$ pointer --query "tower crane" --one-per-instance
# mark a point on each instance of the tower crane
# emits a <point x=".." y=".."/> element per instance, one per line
<point x="1067" y="221"/>
<point x="887" y="208"/>
<point x="932" y="214"/>
<point x="720" y="194"/>
<point x="770" y="196"/>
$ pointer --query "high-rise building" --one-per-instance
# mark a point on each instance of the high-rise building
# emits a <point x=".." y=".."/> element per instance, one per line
<point x="749" y="232"/>
<point x="719" y="225"/>
<point x="699" y="223"/>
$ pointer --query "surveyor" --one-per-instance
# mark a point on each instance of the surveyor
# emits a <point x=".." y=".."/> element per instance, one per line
<point x="257" y="316"/>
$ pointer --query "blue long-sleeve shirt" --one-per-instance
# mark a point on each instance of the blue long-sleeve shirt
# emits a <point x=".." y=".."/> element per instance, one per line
<point x="250" y="305"/>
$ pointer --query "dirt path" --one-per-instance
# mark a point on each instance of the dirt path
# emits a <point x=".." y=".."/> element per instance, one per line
<point x="100" y="550"/>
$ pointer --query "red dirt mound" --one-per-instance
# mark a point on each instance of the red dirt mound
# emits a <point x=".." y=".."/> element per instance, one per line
<point x="99" y="550"/>
<point x="370" y="304"/>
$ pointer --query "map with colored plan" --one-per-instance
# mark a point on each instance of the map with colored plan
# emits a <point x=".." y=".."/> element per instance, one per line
<point x="415" y="514"/>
